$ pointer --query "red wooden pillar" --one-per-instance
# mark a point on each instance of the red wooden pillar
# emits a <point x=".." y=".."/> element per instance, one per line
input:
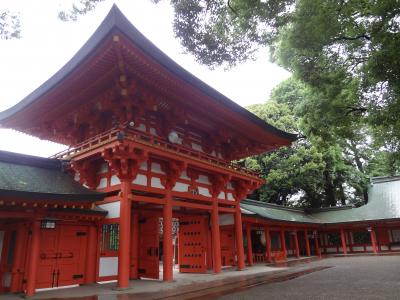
<point x="124" y="235"/>
<point x="16" y="274"/>
<point x="249" y="246"/>
<point x="307" y="243"/>
<point x="317" y="250"/>
<point x="343" y="239"/>
<point x="267" y="244"/>
<point x="296" y="244"/>
<point x="135" y="247"/>
<point x="283" y="242"/>
<point x="167" y="237"/>
<point x="239" y="237"/>
<point x="91" y="255"/>
<point x="216" y="239"/>
<point x="210" y="249"/>
<point x="33" y="259"/>
<point x="373" y="240"/>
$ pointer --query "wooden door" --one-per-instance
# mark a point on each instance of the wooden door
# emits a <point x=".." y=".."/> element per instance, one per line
<point x="227" y="247"/>
<point x="149" y="229"/>
<point x="62" y="256"/>
<point x="47" y="267"/>
<point x="71" y="255"/>
<point x="192" y="244"/>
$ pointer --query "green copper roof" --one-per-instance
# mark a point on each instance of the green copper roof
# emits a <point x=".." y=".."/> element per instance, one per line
<point x="384" y="204"/>
<point x="30" y="177"/>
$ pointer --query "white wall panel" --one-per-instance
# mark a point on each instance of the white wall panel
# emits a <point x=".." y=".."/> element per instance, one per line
<point x="108" y="266"/>
<point x="221" y="195"/>
<point x="181" y="187"/>
<point x="102" y="183"/>
<point x="140" y="179"/>
<point x="204" y="191"/>
<point x="156" y="182"/>
<point x="226" y="219"/>
<point x="114" y="180"/>
<point x="112" y="208"/>
<point x="156" y="168"/>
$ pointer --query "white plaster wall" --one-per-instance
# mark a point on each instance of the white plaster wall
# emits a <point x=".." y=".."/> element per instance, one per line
<point x="112" y="208"/>
<point x="140" y="179"/>
<point x="156" y="182"/>
<point x="102" y="183"/>
<point x="204" y="191"/>
<point x="156" y="168"/>
<point x="203" y="179"/>
<point x="108" y="266"/>
<point x="383" y="248"/>
<point x="226" y="219"/>
<point x="395" y="247"/>
<point x="181" y="187"/>
<point x="114" y="180"/>
<point x="143" y="166"/>
<point x="221" y="195"/>
<point x="331" y="250"/>
<point x="369" y="248"/>
<point x="230" y="197"/>
<point x="184" y="175"/>
<point x="358" y="248"/>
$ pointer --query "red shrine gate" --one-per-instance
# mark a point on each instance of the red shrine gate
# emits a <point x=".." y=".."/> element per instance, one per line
<point x="151" y="137"/>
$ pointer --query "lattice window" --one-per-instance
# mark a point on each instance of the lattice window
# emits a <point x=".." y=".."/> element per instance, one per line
<point x="334" y="239"/>
<point x="109" y="238"/>
<point x="362" y="237"/>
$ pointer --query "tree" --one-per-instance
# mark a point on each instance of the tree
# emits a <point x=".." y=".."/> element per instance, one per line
<point x="345" y="50"/>
<point x="313" y="171"/>
<point x="10" y="27"/>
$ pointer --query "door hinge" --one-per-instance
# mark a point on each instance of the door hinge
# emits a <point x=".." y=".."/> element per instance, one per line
<point x="77" y="276"/>
<point x="80" y="233"/>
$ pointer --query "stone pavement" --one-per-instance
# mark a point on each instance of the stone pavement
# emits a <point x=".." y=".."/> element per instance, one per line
<point x="353" y="277"/>
<point x="331" y="278"/>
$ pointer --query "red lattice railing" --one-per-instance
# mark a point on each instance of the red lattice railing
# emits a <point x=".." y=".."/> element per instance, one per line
<point x="149" y="139"/>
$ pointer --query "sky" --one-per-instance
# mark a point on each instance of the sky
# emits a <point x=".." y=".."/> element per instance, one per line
<point x="47" y="43"/>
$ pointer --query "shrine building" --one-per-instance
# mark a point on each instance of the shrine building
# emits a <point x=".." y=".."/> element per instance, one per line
<point x="148" y="183"/>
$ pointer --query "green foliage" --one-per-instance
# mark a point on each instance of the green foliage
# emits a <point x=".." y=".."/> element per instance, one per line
<point x="345" y="51"/>
<point x="81" y="8"/>
<point x="323" y="169"/>
<point x="10" y="27"/>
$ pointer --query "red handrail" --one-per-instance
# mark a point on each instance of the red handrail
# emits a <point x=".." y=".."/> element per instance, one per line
<point x="139" y="136"/>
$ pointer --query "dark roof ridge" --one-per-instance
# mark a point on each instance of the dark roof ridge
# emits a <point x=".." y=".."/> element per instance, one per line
<point x="30" y="160"/>
<point x="271" y="205"/>
<point x="382" y="179"/>
<point x="311" y="210"/>
<point x="115" y="19"/>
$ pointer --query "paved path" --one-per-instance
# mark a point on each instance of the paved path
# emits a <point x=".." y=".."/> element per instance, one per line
<point x="352" y="278"/>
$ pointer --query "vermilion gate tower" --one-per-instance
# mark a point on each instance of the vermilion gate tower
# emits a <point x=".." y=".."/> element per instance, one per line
<point x="158" y="142"/>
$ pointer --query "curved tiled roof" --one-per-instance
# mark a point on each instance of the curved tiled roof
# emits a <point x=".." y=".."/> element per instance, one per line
<point x="383" y="204"/>
<point x="34" y="177"/>
<point x="116" y="21"/>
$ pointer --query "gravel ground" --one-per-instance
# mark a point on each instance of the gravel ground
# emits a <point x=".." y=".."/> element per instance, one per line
<point x="362" y="277"/>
